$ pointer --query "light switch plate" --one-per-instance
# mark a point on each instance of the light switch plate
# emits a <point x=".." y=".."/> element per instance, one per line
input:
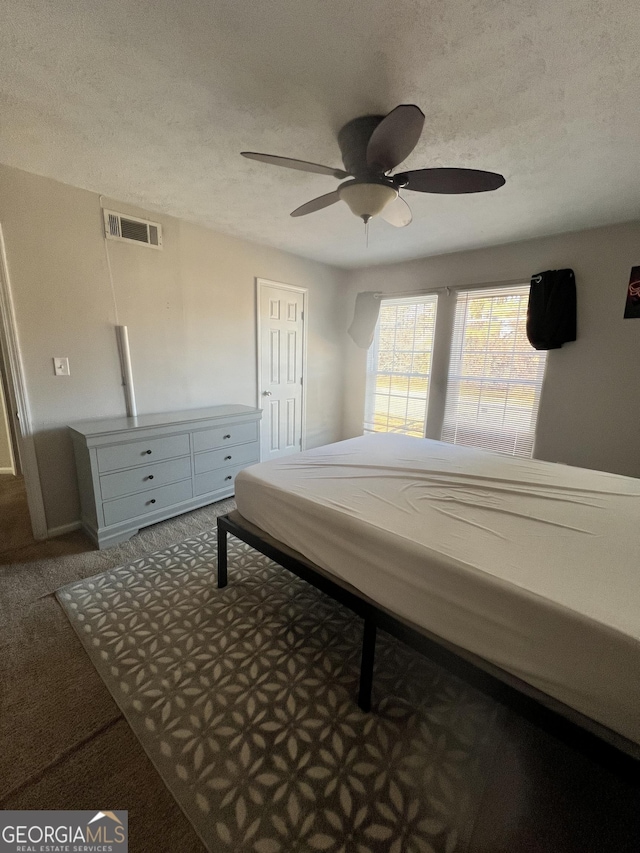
<point x="61" y="366"/>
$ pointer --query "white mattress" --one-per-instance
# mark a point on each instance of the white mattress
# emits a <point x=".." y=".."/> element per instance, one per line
<point x="531" y="565"/>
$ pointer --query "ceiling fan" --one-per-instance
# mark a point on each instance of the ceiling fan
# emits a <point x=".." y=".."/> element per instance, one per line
<point x="372" y="146"/>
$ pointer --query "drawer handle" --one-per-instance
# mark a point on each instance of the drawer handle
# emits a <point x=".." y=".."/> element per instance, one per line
<point x="150" y="477"/>
<point x="152" y="501"/>
<point x="227" y="436"/>
<point x="148" y="452"/>
<point x="229" y="477"/>
<point x="227" y="458"/>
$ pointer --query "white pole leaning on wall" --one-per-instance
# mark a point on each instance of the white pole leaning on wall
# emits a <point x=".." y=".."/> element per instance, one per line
<point x="122" y="336"/>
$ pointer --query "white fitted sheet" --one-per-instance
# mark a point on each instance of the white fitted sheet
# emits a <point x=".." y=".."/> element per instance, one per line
<point x="531" y="565"/>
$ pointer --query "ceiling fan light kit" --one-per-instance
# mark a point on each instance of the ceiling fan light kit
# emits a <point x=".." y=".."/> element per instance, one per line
<point x="366" y="199"/>
<point x="371" y="147"/>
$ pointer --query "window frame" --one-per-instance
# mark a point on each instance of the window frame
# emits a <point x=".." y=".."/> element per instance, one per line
<point x="447" y="299"/>
<point x="511" y="435"/>
<point x="371" y="395"/>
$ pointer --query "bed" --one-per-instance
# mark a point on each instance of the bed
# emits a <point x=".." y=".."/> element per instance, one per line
<point x="524" y="573"/>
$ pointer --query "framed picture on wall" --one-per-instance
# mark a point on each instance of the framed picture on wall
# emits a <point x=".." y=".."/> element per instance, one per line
<point x="632" y="308"/>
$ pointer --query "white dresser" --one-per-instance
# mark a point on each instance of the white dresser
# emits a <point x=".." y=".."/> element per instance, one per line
<point x="133" y="472"/>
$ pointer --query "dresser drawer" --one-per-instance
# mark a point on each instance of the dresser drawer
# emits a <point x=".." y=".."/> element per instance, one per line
<point x="243" y="454"/>
<point x="146" y="502"/>
<point x="212" y="481"/>
<point x="133" y="472"/>
<point x="211" y="439"/>
<point x="144" y="478"/>
<point x="141" y="452"/>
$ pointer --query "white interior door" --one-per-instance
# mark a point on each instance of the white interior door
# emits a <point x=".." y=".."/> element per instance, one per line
<point x="281" y="367"/>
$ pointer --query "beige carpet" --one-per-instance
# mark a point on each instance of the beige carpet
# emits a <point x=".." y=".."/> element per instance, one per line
<point x="15" y="525"/>
<point x="244" y="699"/>
<point x="64" y="743"/>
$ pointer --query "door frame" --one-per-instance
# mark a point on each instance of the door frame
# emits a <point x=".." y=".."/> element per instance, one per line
<point x="18" y="408"/>
<point x="265" y="282"/>
<point x="6" y="426"/>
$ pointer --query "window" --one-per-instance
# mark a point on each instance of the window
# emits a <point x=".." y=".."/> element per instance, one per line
<point x="399" y="366"/>
<point x="494" y="375"/>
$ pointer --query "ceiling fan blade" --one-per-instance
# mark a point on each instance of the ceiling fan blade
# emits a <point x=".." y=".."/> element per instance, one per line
<point x="300" y="165"/>
<point x="395" y="137"/>
<point x="397" y="213"/>
<point x="317" y="204"/>
<point x="450" y="181"/>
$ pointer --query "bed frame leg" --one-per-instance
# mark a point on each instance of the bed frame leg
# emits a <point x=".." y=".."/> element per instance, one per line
<point x="222" y="556"/>
<point x="366" y="666"/>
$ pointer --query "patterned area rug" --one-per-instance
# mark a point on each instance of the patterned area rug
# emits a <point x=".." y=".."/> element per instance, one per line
<point x="244" y="699"/>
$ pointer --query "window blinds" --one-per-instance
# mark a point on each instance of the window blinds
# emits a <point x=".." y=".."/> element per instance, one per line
<point x="495" y="376"/>
<point x="399" y="366"/>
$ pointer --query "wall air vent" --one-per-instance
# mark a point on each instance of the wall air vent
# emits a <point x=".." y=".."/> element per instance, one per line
<point x="130" y="229"/>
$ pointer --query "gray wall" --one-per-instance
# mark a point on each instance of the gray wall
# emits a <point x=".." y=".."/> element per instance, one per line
<point x="590" y="405"/>
<point x="190" y="310"/>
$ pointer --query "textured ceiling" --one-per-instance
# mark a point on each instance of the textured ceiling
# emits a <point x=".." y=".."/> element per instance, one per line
<point x="151" y="103"/>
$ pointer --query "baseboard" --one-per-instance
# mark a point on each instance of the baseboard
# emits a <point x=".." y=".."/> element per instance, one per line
<point x="7" y="471"/>
<point x="63" y="528"/>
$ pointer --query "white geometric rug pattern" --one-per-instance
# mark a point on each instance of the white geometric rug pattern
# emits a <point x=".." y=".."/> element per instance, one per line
<point x="244" y="699"/>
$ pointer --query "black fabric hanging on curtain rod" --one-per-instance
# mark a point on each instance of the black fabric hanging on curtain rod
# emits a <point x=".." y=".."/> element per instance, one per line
<point x="551" y="314"/>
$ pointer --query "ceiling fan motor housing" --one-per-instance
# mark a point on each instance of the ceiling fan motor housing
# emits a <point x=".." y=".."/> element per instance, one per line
<point x="353" y="139"/>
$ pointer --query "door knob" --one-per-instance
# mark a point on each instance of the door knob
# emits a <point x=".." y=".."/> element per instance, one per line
<point x="266" y="393"/>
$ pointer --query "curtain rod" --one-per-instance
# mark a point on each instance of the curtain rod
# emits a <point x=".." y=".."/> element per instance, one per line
<point x="449" y="287"/>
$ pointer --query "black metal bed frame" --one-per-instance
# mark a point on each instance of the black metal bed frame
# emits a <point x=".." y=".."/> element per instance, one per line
<point x="579" y="732"/>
